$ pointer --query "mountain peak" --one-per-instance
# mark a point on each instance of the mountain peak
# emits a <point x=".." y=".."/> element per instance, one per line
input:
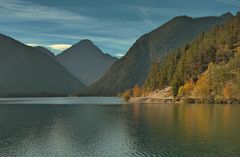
<point x="20" y="63"/>
<point x="84" y="45"/>
<point x="183" y="17"/>
<point x="227" y="15"/>
<point x="85" y="42"/>
<point x="133" y="68"/>
<point x="86" y="61"/>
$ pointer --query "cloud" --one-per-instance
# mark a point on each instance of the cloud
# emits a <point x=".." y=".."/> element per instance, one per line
<point x="32" y="22"/>
<point x="33" y="45"/>
<point x="107" y="44"/>
<point x="145" y="15"/>
<point x="23" y="10"/>
<point x="231" y="2"/>
<point x="59" y="47"/>
<point x="120" y="55"/>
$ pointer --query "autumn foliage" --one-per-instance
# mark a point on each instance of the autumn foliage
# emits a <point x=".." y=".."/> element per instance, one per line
<point x="202" y="88"/>
<point x="137" y="92"/>
<point x="206" y="68"/>
<point x="127" y="94"/>
<point x="227" y="91"/>
<point x="187" y="88"/>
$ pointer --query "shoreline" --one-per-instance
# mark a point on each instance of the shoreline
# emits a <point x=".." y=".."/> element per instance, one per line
<point x="149" y="100"/>
<point x="164" y="96"/>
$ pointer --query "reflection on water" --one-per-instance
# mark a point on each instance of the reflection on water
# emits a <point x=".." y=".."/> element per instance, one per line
<point x="45" y="130"/>
<point x="211" y="130"/>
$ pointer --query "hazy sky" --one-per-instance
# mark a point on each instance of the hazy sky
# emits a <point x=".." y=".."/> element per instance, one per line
<point x="113" y="25"/>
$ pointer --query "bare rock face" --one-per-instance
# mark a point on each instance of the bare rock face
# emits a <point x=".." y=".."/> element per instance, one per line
<point x="158" y="96"/>
<point x="27" y="71"/>
<point x="85" y="61"/>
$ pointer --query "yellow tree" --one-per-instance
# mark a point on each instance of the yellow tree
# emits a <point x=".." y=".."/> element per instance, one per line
<point x="144" y="91"/>
<point x="137" y="91"/>
<point x="127" y="94"/>
<point x="202" y="87"/>
<point x="187" y="88"/>
<point x="227" y="91"/>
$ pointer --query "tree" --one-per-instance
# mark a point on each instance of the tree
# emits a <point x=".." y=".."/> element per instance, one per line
<point x="211" y="60"/>
<point x="127" y="94"/>
<point x="151" y="82"/>
<point x="186" y="89"/>
<point x="137" y="91"/>
<point x="177" y="83"/>
<point x="202" y="88"/>
<point x="227" y="91"/>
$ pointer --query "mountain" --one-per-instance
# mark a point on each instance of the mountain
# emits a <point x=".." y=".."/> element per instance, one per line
<point x="134" y="66"/>
<point x="47" y="51"/>
<point x="85" y="61"/>
<point x="26" y="71"/>
<point x="206" y="69"/>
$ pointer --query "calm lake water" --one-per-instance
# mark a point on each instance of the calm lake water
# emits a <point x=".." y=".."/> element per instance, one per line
<point x="109" y="127"/>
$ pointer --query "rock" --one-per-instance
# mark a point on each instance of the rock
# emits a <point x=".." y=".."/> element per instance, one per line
<point x="187" y="100"/>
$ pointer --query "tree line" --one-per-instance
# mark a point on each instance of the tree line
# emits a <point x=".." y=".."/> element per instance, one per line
<point x="206" y="68"/>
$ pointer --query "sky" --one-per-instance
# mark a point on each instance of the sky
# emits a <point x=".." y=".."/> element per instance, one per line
<point x="113" y="25"/>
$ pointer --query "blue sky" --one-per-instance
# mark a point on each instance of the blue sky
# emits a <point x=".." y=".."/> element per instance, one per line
<point x="113" y="25"/>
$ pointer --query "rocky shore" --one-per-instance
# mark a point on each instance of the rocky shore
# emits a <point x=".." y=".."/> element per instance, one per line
<point x="157" y="96"/>
<point x="164" y="96"/>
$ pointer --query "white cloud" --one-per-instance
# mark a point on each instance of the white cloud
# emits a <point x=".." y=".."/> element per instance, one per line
<point x="120" y="55"/>
<point x="59" y="47"/>
<point x="112" y="43"/>
<point x="65" y="25"/>
<point x="145" y="15"/>
<point x="22" y="10"/>
<point x="33" y="45"/>
<point x="232" y="2"/>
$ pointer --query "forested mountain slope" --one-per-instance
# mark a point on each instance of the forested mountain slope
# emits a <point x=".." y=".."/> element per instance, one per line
<point x="152" y="47"/>
<point x="208" y="67"/>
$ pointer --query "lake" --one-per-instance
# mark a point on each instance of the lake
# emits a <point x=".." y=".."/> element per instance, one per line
<point x="110" y="127"/>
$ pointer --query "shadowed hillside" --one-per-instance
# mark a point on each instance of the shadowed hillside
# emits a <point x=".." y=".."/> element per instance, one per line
<point x="26" y="71"/>
<point x="47" y="51"/>
<point x="85" y="61"/>
<point x="134" y="66"/>
<point x="204" y="70"/>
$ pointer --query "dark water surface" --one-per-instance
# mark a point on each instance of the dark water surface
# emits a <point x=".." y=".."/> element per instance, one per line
<point x="108" y="127"/>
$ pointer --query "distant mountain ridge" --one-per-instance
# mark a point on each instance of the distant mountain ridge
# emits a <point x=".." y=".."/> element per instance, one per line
<point x="26" y="71"/>
<point x="86" y="61"/>
<point x="47" y="51"/>
<point x="134" y="66"/>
